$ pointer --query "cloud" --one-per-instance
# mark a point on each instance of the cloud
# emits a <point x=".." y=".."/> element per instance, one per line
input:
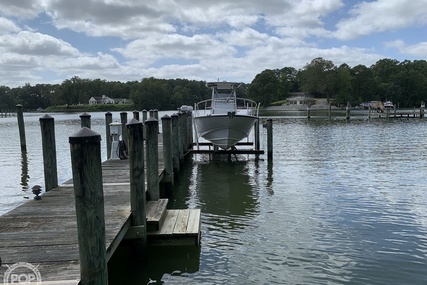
<point x="416" y="50"/>
<point x="383" y="15"/>
<point x="123" y="19"/>
<point x="174" y="46"/>
<point x="23" y="9"/>
<point x="7" y="26"/>
<point x="36" y="44"/>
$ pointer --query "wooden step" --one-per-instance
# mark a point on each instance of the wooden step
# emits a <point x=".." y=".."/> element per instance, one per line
<point x="180" y="227"/>
<point x="155" y="214"/>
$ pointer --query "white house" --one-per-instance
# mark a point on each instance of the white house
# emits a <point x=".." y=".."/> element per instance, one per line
<point x="300" y="98"/>
<point x="107" y="100"/>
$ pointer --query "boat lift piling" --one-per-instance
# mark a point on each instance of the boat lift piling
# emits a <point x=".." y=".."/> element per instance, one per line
<point x="168" y="177"/>
<point x="47" y="125"/>
<point x="21" y="125"/>
<point x="152" y="158"/>
<point x="85" y="120"/>
<point x="123" y="120"/>
<point x="137" y="186"/>
<point x="269" y="127"/>
<point x="89" y="203"/>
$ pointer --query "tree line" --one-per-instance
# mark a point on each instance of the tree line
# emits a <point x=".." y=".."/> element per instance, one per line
<point x="403" y="82"/>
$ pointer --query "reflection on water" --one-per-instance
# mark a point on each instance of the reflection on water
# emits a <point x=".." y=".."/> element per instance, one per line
<point x="24" y="170"/>
<point x="342" y="203"/>
<point x="228" y="194"/>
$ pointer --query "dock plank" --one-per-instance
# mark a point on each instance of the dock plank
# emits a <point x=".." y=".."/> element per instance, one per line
<point x="181" y="222"/>
<point x="169" y="224"/>
<point x="193" y="226"/>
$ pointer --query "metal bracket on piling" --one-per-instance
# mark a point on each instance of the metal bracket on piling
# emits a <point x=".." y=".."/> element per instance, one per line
<point x="136" y="232"/>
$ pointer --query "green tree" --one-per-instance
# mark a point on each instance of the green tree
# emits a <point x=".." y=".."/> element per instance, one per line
<point x="363" y="84"/>
<point x="343" y="88"/>
<point x="385" y="71"/>
<point x="319" y="78"/>
<point x="150" y="93"/>
<point x="7" y="101"/>
<point x="264" y="87"/>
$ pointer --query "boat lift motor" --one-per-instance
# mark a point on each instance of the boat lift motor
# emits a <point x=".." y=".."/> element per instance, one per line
<point x="115" y="132"/>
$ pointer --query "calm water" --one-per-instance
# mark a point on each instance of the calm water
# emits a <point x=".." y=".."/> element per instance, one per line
<point x="341" y="203"/>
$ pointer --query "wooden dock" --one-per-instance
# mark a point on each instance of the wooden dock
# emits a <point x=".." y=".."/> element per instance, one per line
<point x="44" y="232"/>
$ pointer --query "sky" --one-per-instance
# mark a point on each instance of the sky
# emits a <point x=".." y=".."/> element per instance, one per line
<point x="49" y="41"/>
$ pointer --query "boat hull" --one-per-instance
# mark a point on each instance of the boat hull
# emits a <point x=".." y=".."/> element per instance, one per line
<point x="224" y="131"/>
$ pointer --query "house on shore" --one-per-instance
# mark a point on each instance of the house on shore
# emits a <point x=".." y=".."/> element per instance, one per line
<point x="300" y="98"/>
<point x="299" y="101"/>
<point x="107" y="100"/>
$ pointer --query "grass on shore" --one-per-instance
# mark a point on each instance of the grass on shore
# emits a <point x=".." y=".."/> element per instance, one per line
<point x="91" y="108"/>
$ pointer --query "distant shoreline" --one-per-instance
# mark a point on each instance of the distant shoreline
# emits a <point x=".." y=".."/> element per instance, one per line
<point x="89" y="108"/>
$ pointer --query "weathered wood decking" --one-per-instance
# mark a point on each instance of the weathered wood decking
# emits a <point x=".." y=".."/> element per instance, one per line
<point x="44" y="232"/>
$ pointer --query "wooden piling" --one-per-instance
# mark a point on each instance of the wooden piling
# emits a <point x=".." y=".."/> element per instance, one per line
<point x="422" y="108"/>
<point x="136" y="115"/>
<point x="156" y="114"/>
<point x="185" y="132"/>
<point x="189" y="130"/>
<point x="181" y="137"/>
<point x="85" y="120"/>
<point x="308" y="111"/>
<point x="137" y="179"/>
<point x="151" y="141"/>
<point x="270" y="139"/>
<point x="108" y="139"/>
<point x="85" y="148"/>
<point x="167" y="148"/>
<point x="347" y="112"/>
<point x="175" y="143"/>
<point x="144" y="118"/>
<point x="124" y="120"/>
<point x="47" y="125"/>
<point x="330" y="110"/>
<point x="21" y="126"/>
<point x="256" y="134"/>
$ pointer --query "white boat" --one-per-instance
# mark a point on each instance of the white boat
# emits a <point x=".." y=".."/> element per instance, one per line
<point x="388" y="104"/>
<point x="224" y="120"/>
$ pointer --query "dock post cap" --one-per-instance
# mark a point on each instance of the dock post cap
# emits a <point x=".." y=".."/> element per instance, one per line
<point x="174" y="115"/>
<point x="151" y="120"/>
<point x="86" y="136"/>
<point x="85" y="115"/>
<point x="133" y="122"/>
<point x="166" y="117"/>
<point x="45" y="117"/>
